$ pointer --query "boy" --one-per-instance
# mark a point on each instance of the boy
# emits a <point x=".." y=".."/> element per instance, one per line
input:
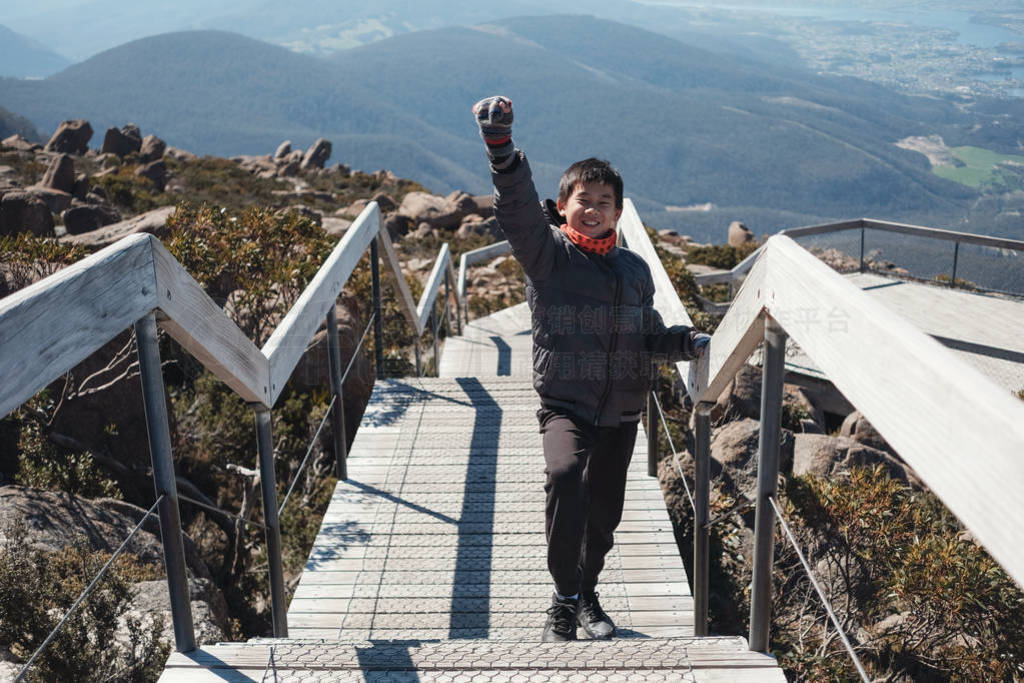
<point x="595" y="337"/>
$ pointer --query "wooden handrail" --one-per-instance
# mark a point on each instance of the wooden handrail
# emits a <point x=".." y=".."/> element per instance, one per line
<point x="52" y="325"/>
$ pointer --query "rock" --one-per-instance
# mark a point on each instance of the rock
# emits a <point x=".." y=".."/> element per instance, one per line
<point x="385" y="202"/>
<point x="442" y="212"/>
<point x="422" y="230"/>
<point x="81" y="218"/>
<point x="60" y="175"/>
<point x="71" y="137"/>
<point x="734" y="447"/>
<point x="283" y="150"/>
<point x="335" y="226"/>
<point x="739" y="234"/>
<point x="860" y="430"/>
<point x="742" y="398"/>
<point x="461" y="202"/>
<point x="179" y="154"/>
<point x="81" y="189"/>
<point x="487" y="226"/>
<point x="153" y="148"/>
<point x="397" y="226"/>
<point x="153" y="222"/>
<point x="56" y="200"/>
<point x="20" y="144"/>
<point x="156" y="172"/>
<point x="209" y="609"/>
<point x="353" y="210"/>
<point x="122" y="141"/>
<point x="22" y="211"/>
<point x="822" y="455"/>
<point x="317" y="154"/>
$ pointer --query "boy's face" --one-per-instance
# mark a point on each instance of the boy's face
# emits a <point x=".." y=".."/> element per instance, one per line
<point x="590" y="209"/>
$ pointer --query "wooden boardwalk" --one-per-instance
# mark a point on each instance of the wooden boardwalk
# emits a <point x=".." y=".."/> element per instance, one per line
<point x="430" y="561"/>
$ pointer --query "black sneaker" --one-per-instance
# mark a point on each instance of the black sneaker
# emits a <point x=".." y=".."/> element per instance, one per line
<point x="592" y="618"/>
<point x="561" y="623"/>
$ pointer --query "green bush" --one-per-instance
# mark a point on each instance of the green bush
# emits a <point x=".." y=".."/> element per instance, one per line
<point x="37" y="588"/>
<point x="722" y="256"/>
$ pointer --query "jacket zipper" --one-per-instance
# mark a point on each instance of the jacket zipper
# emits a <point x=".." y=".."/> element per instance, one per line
<point x="611" y="351"/>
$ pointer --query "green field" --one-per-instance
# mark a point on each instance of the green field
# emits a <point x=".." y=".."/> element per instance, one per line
<point x="983" y="169"/>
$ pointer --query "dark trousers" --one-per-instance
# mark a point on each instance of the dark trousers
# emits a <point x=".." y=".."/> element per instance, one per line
<point x="586" y="485"/>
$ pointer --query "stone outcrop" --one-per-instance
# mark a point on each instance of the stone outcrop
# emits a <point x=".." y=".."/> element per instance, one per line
<point x="734" y="449"/>
<point x="856" y="427"/>
<point x="56" y="200"/>
<point x="152" y="149"/>
<point x="81" y="218"/>
<point x="822" y="455"/>
<point x="19" y="144"/>
<point x="317" y="154"/>
<point x="60" y="175"/>
<point x="22" y="211"/>
<point x="122" y="141"/>
<point x="155" y="172"/>
<point x="283" y="150"/>
<point x="443" y="212"/>
<point x="739" y="234"/>
<point x="71" y="137"/>
<point x="154" y="222"/>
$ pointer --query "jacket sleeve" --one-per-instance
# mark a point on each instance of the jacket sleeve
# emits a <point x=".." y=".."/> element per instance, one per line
<point x="665" y="344"/>
<point x="519" y="213"/>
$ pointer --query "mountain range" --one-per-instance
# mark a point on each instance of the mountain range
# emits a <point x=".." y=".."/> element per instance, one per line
<point x="23" y="57"/>
<point x="685" y="125"/>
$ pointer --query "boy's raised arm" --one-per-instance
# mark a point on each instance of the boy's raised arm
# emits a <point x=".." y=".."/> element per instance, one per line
<point x="516" y="205"/>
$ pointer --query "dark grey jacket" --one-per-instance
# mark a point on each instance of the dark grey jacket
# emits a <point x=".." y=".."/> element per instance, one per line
<point x="596" y="334"/>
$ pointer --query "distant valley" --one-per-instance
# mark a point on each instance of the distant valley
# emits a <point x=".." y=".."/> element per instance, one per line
<point x="769" y="144"/>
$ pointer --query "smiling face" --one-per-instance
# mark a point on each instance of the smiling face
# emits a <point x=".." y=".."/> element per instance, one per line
<point x="590" y="209"/>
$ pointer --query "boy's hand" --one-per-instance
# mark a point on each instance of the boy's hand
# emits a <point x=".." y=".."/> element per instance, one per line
<point x="494" y="117"/>
<point x="700" y="343"/>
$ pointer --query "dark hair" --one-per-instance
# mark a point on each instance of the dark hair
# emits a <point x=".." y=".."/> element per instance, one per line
<point x="590" y="171"/>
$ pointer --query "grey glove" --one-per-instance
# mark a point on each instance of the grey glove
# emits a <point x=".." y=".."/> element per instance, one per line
<point x="494" y="116"/>
<point x="699" y="341"/>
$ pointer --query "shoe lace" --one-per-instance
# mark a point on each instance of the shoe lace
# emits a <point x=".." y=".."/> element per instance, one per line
<point x="563" y="616"/>
<point x="591" y="608"/>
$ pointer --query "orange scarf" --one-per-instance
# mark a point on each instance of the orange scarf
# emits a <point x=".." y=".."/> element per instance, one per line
<point x="595" y="245"/>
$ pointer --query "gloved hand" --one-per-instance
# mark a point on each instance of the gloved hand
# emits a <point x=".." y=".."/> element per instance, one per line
<point x="699" y="341"/>
<point x="494" y="116"/>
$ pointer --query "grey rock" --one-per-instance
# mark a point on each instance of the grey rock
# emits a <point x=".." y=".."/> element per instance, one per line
<point x="153" y="148"/>
<point x="822" y="455"/>
<point x="60" y="175"/>
<point x="56" y="200"/>
<point x="22" y="211"/>
<point x="317" y="154"/>
<point x="179" y="154"/>
<point x="857" y="427"/>
<point x="82" y="218"/>
<point x="335" y="226"/>
<point x="385" y="202"/>
<point x="156" y="172"/>
<point x="71" y="137"/>
<point x="734" y="447"/>
<point x="209" y="610"/>
<point x="398" y="226"/>
<point x="739" y="234"/>
<point x="283" y="150"/>
<point x="20" y="144"/>
<point x="153" y="222"/>
<point x="122" y="141"/>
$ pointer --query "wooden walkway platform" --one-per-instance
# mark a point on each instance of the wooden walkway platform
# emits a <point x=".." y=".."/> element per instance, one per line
<point x="430" y="562"/>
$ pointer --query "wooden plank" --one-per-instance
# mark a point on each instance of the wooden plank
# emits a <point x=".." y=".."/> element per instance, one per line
<point x="52" y="325"/>
<point x="739" y="333"/>
<point x="288" y="342"/>
<point x="205" y="331"/>
<point x="426" y="304"/>
<point x="398" y="280"/>
<point x="961" y="433"/>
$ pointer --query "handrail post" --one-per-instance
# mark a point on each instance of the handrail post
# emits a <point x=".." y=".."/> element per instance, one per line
<point x="378" y="325"/>
<point x="268" y="487"/>
<point x="652" y="433"/>
<point x="338" y="409"/>
<point x="956" y="257"/>
<point x="701" y="515"/>
<point x="862" y="249"/>
<point x="159" y="431"/>
<point x="416" y="349"/>
<point x="434" y="324"/>
<point x="767" y="483"/>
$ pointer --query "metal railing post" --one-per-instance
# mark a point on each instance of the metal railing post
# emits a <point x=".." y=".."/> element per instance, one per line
<point x="767" y="482"/>
<point x="652" y="435"/>
<point x="378" y="325"/>
<point x="434" y="324"/>
<point x="862" y="250"/>
<point x="416" y="349"/>
<point x="164" y="482"/>
<point x="338" y="410"/>
<point x="701" y="515"/>
<point x="956" y="257"/>
<point x="268" y="487"/>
